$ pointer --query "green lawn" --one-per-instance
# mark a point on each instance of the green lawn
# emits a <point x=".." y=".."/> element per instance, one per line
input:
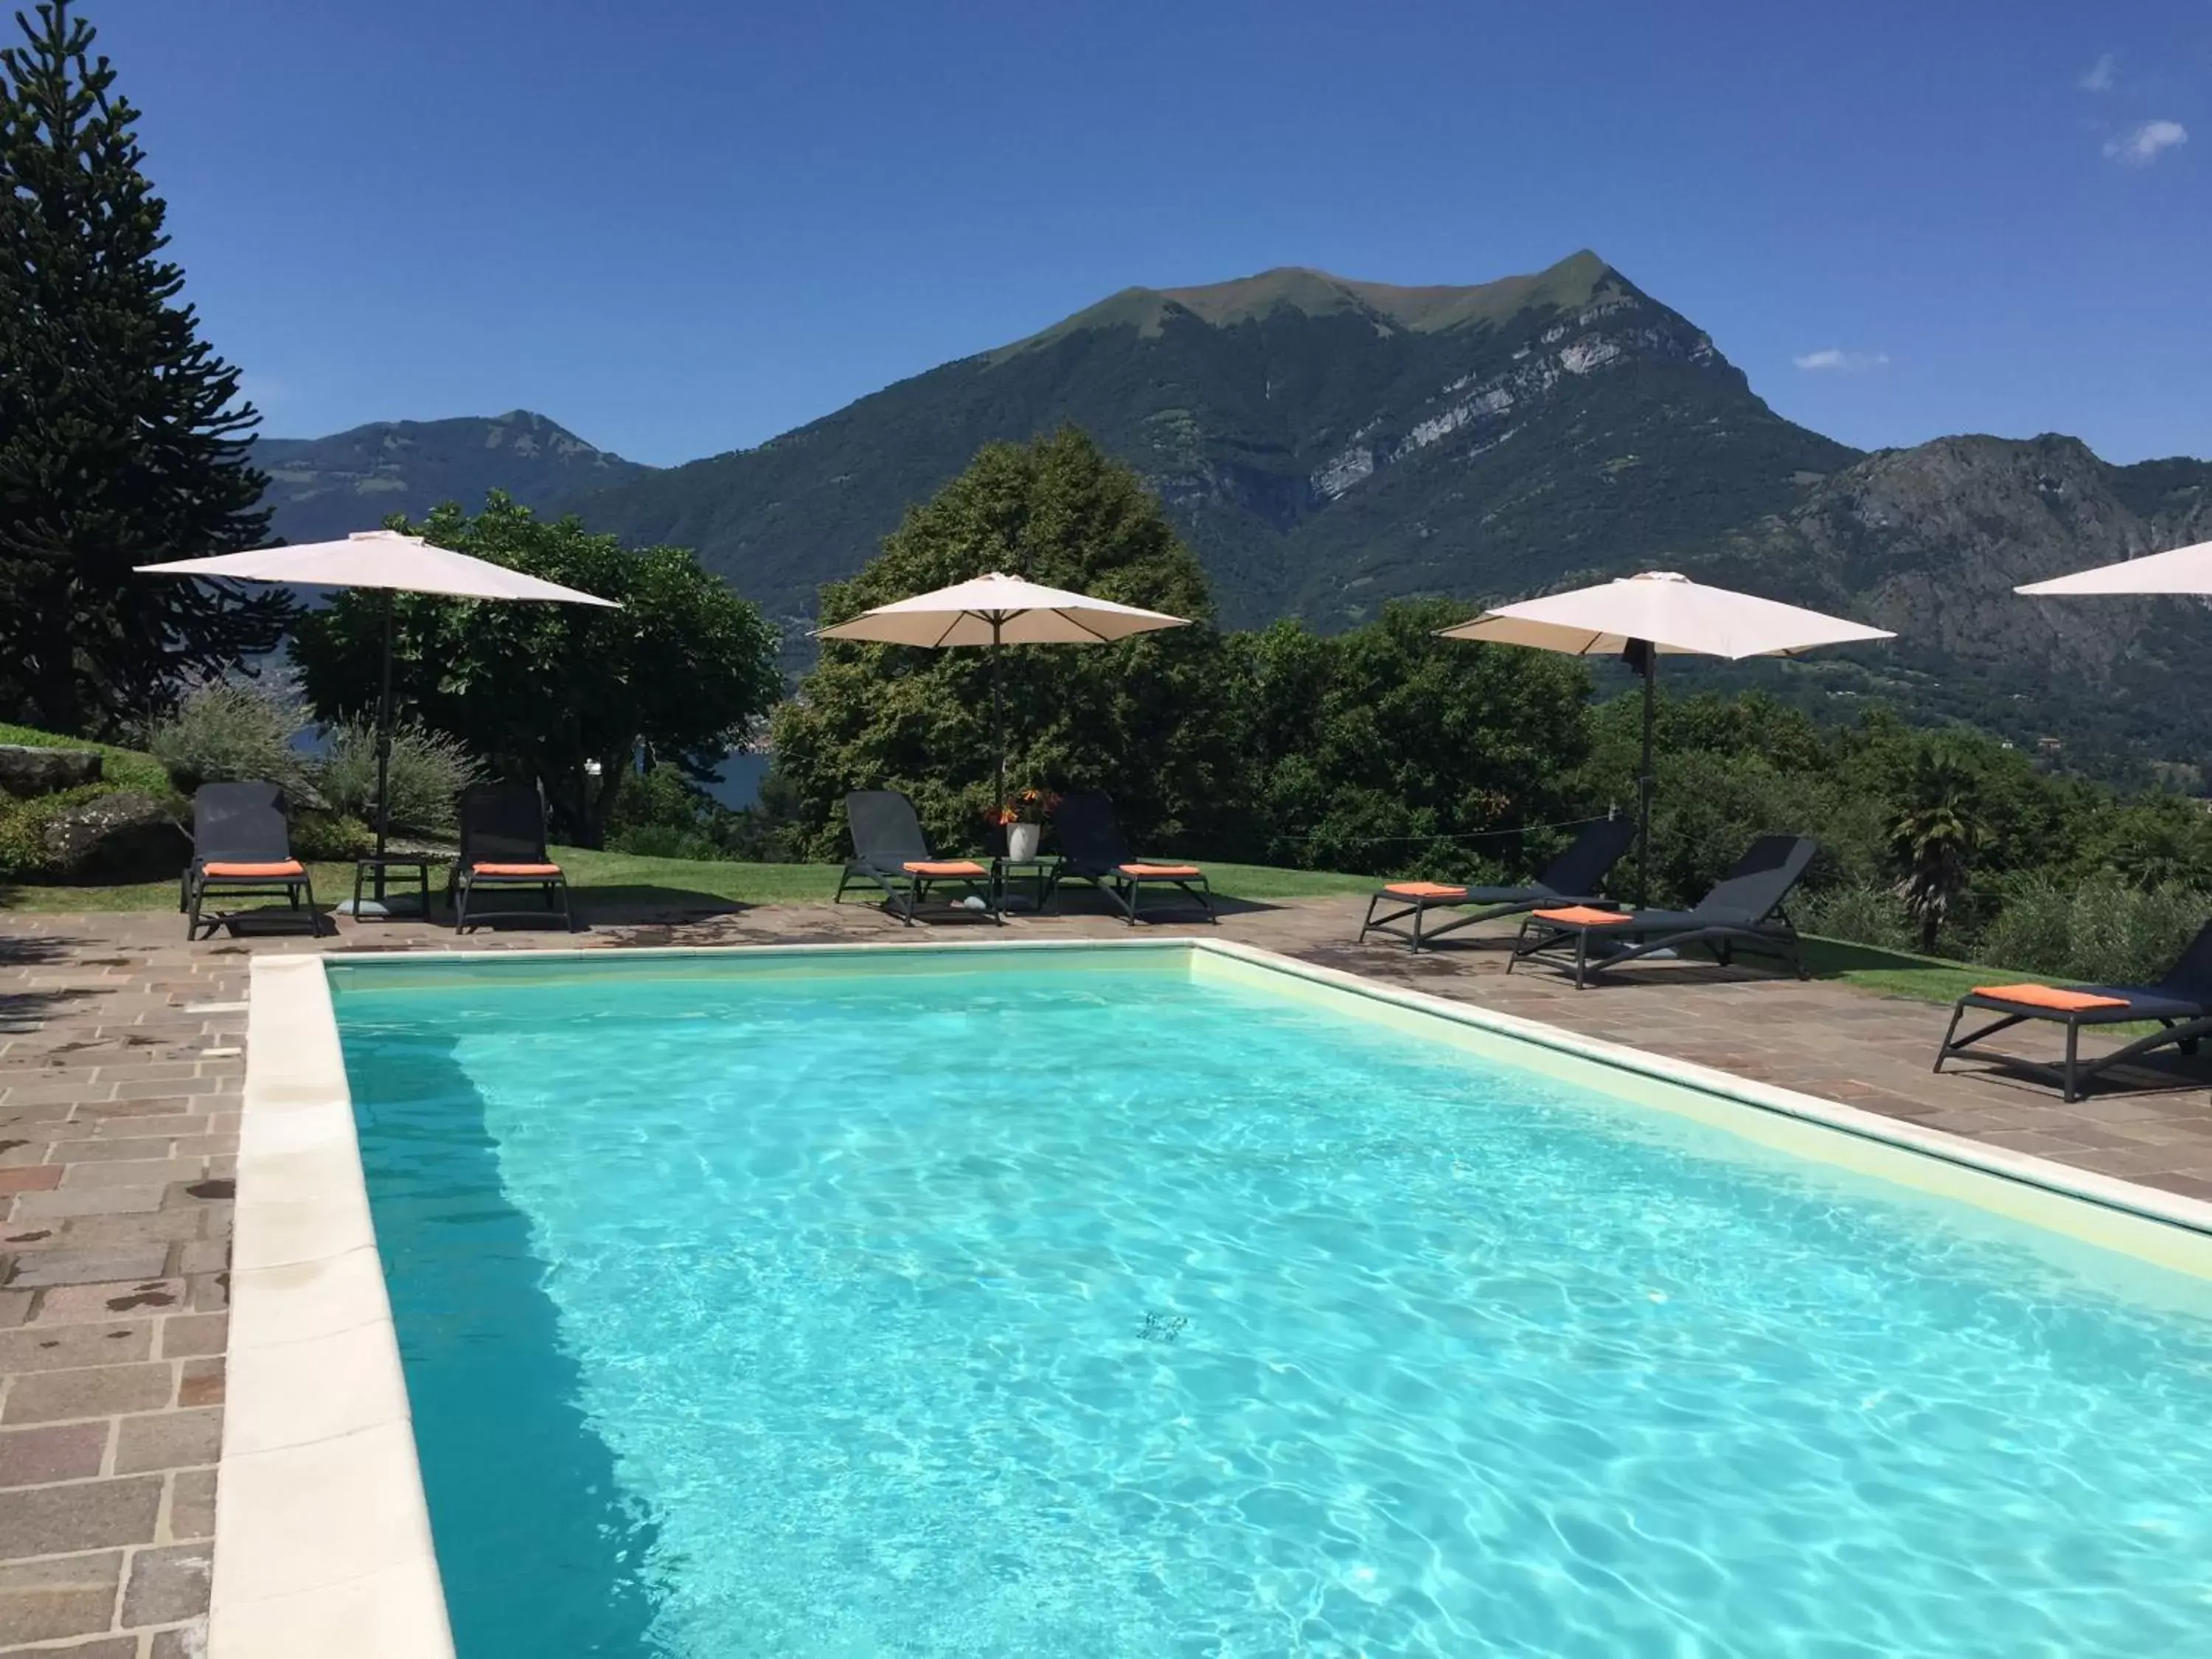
<point x="623" y="879"/>
<point x="128" y="769"/>
<point x="1899" y="973"/>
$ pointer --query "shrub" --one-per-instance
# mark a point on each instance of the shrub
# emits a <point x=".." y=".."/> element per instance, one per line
<point x="1860" y="913"/>
<point x="225" y="734"/>
<point x="329" y="837"/>
<point x="428" y="771"/>
<point x="2103" y="930"/>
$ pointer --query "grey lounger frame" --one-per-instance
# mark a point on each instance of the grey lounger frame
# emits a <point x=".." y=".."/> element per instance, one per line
<point x="1573" y="878"/>
<point x="2180" y="1004"/>
<point x="887" y="837"/>
<point x="1743" y="912"/>
<point x="504" y="824"/>
<point x="240" y="823"/>
<point x="1092" y="848"/>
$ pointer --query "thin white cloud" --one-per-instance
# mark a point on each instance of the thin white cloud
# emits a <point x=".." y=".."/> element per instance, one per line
<point x="1833" y="360"/>
<point x="2102" y="75"/>
<point x="2139" y="147"/>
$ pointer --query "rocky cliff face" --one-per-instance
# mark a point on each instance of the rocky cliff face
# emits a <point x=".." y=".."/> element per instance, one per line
<point x="1931" y="541"/>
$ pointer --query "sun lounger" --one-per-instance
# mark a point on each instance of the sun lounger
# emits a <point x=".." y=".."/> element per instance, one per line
<point x="503" y="851"/>
<point x="241" y="846"/>
<point x="1093" y="849"/>
<point x="1743" y="912"/>
<point x="1573" y="878"/>
<point x="891" y="854"/>
<point x="2181" y="1005"/>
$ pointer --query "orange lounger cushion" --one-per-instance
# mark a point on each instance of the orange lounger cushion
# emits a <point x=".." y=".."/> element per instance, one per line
<point x="2049" y="996"/>
<point x="515" y="869"/>
<point x="1581" y="915"/>
<point x="275" y="871"/>
<point x="944" y="867"/>
<point x="1166" y="872"/>
<point x="1424" y="890"/>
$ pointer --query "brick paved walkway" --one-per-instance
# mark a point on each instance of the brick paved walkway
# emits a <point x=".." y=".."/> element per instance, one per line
<point x="120" y="1068"/>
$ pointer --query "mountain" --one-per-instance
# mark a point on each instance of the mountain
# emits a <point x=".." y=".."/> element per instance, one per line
<point x="1930" y="541"/>
<point x="1326" y="444"/>
<point x="322" y="487"/>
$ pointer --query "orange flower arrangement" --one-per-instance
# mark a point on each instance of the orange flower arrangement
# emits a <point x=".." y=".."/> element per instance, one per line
<point x="1025" y="806"/>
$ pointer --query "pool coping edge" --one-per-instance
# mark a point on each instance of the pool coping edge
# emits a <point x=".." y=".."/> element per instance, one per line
<point x="322" y="1538"/>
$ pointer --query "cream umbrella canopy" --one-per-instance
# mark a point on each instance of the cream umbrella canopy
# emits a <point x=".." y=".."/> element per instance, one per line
<point x="398" y="563"/>
<point x="2183" y="570"/>
<point x="998" y="609"/>
<point x="1640" y="619"/>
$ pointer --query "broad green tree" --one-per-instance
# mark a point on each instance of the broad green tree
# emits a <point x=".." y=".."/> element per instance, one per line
<point x="566" y="695"/>
<point x="1147" y="719"/>
<point x="122" y="437"/>
<point x="1388" y="750"/>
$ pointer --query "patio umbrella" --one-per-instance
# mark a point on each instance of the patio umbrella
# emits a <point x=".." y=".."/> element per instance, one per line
<point x="398" y="563"/>
<point x="995" y="611"/>
<point x="1640" y="618"/>
<point x="2184" y="570"/>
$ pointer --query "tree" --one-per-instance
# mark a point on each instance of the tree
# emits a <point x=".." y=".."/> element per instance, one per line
<point x="1148" y="719"/>
<point x="123" y="438"/>
<point x="1935" y="839"/>
<point x="562" y="694"/>
<point x="1388" y="750"/>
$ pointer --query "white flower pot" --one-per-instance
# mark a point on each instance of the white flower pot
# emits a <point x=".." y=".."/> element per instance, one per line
<point x="1022" y="840"/>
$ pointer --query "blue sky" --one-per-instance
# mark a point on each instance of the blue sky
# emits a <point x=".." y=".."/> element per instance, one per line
<point x="683" y="227"/>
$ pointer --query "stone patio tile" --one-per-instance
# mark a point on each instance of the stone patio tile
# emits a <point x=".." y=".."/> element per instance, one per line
<point x="107" y="1647"/>
<point x="144" y="1227"/>
<point x="68" y="1201"/>
<point x="30" y="1178"/>
<point x="80" y="1515"/>
<point x="139" y="1298"/>
<point x="69" y="1596"/>
<point x="200" y="1382"/>
<point x="84" y="1266"/>
<point x="187" y="1336"/>
<point x="95" y="1391"/>
<point x="40" y="1347"/>
<point x="65" y="1451"/>
<point x="138" y="1172"/>
<point x="168" y="1584"/>
<point x="167" y="1440"/>
<point x="191" y="1503"/>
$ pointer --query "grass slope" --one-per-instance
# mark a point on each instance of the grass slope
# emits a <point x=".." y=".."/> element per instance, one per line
<point x="126" y="769"/>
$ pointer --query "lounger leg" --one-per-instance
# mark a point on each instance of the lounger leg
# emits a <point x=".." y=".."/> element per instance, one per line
<point x="2073" y="1067"/>
<point x="192" y="913"/>
<point x="1519" y="940"/>
<point x="1581" y="958"/>
<point x="461" y="908"/>
<point x="1413" y="944"/>
<point x="1370" y="922"/>
<point x="1943" y="1049"/>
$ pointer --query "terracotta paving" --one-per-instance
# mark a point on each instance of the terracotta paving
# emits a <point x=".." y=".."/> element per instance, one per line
<point x="121" y="1062"/>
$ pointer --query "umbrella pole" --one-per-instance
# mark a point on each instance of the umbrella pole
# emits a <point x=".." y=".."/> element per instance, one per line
<point x="384" y="751"/>
<point x="1643" y="782"/>
<point x="997" y="714"/>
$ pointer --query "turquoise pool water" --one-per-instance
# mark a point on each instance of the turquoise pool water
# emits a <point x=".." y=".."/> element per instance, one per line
<point x="1081" y="1309"/>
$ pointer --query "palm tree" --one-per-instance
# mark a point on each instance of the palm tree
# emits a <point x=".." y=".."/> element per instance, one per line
<point x="1935" y="838"/>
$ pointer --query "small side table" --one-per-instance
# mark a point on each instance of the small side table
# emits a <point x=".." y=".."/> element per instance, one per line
<point x="409" y="866"/>
<point x="1042" y="871"/>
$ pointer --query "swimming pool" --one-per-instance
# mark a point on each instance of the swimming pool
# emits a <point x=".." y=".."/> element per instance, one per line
<point x="1110" y="1302"/>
